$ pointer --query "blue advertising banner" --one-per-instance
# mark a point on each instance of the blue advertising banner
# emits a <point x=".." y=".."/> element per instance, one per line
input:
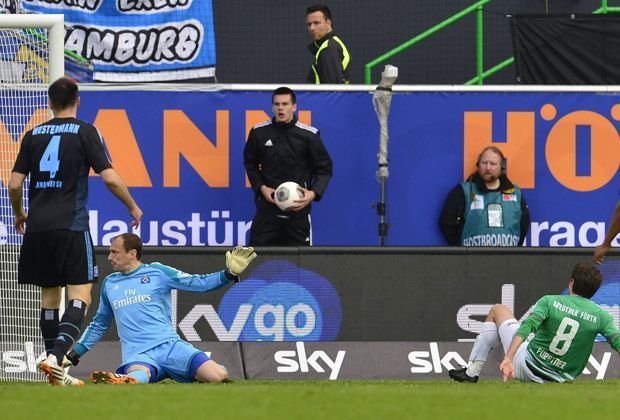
<point x="181" y="154"/>
<point x="138" y="40"/>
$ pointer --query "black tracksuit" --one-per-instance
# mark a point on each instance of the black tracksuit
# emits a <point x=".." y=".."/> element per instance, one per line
<point x="280" y="152"/>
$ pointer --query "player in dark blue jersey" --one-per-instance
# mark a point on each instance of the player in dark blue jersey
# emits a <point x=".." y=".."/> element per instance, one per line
<point x="137" y="297"/>
<point x="57" y="249"/>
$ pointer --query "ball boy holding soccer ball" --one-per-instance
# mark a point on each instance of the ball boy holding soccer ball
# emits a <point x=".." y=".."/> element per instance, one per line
<point x="285" y="150"/>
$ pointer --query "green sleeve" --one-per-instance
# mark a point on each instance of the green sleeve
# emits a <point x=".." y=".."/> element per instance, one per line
<point x="610" y="332"/>
<point x="538" y="315"/>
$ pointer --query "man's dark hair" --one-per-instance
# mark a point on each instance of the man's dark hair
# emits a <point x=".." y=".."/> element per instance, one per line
<point x="132" y="241"/>
<point x="586" y="279"/>
<point x="284" y="91"/>
<point x="63" y="93"/>
<point x="320" y="8"/>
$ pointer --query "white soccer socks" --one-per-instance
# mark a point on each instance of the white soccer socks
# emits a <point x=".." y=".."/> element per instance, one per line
<point x="485" y="342"/>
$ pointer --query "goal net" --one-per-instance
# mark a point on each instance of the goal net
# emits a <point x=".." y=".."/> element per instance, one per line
<point x="29" y="50"/>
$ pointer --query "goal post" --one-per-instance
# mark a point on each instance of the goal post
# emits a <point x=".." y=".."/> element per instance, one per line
<point x="55" y="26"/>
<point x="31" y="57"/>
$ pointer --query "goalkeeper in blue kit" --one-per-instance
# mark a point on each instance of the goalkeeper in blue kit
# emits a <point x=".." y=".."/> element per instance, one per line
<point x="138" y="297"/>
<point x="564" y="328"/>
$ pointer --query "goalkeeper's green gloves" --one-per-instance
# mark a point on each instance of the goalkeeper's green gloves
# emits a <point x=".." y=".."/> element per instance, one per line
<point x="238" y="260"/>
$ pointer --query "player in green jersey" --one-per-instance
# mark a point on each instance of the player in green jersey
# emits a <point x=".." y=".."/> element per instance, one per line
<point x="565" y="327"/>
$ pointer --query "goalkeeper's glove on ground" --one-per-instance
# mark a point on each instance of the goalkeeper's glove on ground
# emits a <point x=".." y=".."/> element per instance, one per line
<point x="238" y="260"/>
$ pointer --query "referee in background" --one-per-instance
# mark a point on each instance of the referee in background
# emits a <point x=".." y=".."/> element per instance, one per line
<point x="57" y="249"/>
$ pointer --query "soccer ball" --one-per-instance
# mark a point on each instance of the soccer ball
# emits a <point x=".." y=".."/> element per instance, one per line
<point x="286" y="194"/>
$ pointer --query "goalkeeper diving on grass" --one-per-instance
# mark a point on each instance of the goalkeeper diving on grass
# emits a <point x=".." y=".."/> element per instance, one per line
<point x="137" y="296"/>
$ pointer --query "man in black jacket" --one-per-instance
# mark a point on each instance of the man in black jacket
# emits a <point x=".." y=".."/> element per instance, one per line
<point x="279" y="150"/>
<point x="331" y="57"/>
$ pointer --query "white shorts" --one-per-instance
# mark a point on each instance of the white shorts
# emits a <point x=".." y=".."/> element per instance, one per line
<point x="506" y="333"/>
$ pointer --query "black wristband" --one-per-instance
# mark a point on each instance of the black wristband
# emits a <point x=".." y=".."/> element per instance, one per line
<point x="231" y="277"/>
<point x="73" y="357"/>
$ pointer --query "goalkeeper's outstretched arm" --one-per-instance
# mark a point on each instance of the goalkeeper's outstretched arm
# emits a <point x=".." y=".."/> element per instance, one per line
<point x="237" y="261"/>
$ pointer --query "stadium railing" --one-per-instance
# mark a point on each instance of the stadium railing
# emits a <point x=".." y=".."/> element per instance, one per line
<point x="477" y="8"/>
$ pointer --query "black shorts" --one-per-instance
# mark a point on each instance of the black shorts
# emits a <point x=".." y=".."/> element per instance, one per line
<point x="273" y="230"/>
<point x="57" y="258"/>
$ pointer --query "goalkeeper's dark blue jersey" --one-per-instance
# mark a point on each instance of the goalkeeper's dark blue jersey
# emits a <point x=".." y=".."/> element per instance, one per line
<point x="140" y="302"/>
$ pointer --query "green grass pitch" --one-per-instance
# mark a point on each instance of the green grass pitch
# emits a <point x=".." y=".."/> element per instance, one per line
<point x="313" y="399"/>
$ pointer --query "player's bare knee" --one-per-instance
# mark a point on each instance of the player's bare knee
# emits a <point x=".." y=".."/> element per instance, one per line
<point x="220" y="376"/>
<point x="493" y="312"/>
<point x="499" y="312"/>
<point x="139" y="367"/>
<point x="211" y="372"/>
<point x="217" y="373"/>
<point x="224" y="376"/>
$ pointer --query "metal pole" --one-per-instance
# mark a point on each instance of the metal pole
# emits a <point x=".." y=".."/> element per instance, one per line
<point x="382" y="100"/>
<point x="491" y="71"/>
<point x="381" y="211"/>
<point x="479" y="44"/>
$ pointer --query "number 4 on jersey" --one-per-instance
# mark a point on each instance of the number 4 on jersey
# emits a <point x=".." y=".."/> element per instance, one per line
<point x="49" y="161"/>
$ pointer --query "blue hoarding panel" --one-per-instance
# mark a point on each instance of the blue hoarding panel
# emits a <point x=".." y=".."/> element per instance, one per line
<point x="181" y="154"/>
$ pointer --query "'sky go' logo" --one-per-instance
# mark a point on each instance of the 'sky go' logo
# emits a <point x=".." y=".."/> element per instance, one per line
<point x="283" y="302"/>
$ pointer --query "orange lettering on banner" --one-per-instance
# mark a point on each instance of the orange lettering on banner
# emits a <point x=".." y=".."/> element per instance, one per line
<point x="254" y="117"/>
<point x="121" y="143"/>
<point x="561" y="150"/>
<point x="305" y="117"/>
<point x="183" y="138"/>
<point x="518" y="148"/>
<point x="9" y="147"/>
